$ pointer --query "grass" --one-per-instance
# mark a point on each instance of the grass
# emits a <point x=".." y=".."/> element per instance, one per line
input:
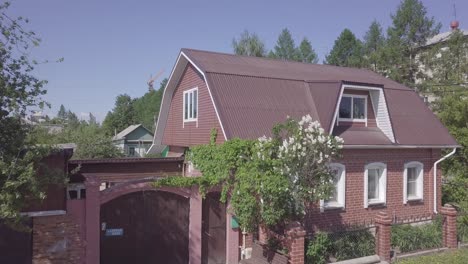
<point x="448" y="257"/>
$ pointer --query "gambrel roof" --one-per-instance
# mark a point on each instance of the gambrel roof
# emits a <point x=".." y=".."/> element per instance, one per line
<point x="252" y="94"/>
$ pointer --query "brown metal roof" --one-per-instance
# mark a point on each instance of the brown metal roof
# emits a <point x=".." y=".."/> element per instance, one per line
<point x="252" y="94"/>
<point x="413" y="122"/>
<point x="361" y="135"/>
<point x="251" y="106"/>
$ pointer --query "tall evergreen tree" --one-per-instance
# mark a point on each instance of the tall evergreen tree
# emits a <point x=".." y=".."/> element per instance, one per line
<point x="347" y="51"/>
<point x="249" y="44"/>
<point x="411" y="28"/>
<point x="285" y="48"/>
<point x="122" y="115"/>
<point x="92" y="119"/>
<point x="306" y="52"/>
<point x="62" y="113"/>
<point x="374" y="42"/>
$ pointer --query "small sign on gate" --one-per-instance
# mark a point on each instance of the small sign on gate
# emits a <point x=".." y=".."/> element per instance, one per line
<point x="114" y="232"/>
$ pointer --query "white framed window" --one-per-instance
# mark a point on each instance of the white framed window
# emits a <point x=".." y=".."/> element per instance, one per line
<point x="413" y="181"/>
<point x="353" y="108"/>
<point x="190" y="104"/>
<point x="338" y="195"/>
<point x="375" y="184"/>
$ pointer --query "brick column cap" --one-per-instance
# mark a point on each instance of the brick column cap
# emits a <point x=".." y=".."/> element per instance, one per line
<point x="295" y="230"/>
<point x="449" y="210"/>
<point x="383" y="218"/>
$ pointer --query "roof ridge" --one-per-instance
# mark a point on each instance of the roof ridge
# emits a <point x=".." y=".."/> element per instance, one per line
<point x="273" y="59"/>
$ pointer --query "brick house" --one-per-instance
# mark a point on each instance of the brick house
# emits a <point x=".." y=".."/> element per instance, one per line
<point x="392" y="141"/>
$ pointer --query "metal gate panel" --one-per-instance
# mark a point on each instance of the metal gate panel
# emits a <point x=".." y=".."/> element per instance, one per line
<point x="145" y="227"/>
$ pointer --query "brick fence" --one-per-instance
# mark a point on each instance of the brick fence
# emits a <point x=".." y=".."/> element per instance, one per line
<point x="294" y="239"/>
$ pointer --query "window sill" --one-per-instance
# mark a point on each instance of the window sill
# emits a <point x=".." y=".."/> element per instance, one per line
<point x="352" y="120"/>
<point x="333" y="206"/>
<point x="414" y="199"/>
<point x="190" y="120"/>
<point x="375" y="203"/>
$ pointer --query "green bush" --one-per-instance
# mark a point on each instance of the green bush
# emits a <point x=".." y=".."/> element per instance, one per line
<point x="462" y="227"/>
<point x="340" y="246"/>
<point x="318" y="249"/>
<point x="410" y="238"/>
<point x="353" y="244"/>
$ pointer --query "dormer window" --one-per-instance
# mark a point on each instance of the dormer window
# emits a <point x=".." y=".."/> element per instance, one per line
<point x="353" y="108"/>
<point x="191" y="105"/>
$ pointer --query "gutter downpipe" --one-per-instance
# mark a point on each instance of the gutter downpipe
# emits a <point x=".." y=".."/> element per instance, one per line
<point x="435" y="176"/>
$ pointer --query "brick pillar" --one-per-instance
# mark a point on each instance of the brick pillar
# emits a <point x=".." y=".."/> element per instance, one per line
<point x="262" y="235"/>
<point x="449" y="229"/>
<point x="383" y="224"/>
<point x="296" y="237"/>
<point x="232" y="239"/>
<point x="195" y="227"/>
<point x="92" y="219"/>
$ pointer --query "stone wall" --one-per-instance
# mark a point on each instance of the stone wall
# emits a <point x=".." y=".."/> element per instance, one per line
<point x="58" y="238"/>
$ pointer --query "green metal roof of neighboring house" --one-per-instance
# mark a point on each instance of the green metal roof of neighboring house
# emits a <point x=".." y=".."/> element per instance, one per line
<point x="124" y="133"/>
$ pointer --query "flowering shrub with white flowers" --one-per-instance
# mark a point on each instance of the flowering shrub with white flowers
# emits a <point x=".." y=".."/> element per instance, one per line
<point x="271" y="180"/>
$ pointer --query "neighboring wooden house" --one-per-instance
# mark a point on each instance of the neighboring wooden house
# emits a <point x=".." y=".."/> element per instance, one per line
<point x="134" y="141"/>
<point x="392" y="140"/>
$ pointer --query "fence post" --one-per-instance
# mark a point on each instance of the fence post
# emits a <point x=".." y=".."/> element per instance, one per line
<point x="383" y="224"/>
<point x="296" y="237"/>
<point x="449" y="229"/>
<point x="262" y="235"/>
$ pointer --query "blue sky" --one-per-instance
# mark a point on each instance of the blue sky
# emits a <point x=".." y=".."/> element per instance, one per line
<point x="112" y="47"/>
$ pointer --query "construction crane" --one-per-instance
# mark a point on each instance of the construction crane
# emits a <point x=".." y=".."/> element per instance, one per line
<point x="152" y="79"/>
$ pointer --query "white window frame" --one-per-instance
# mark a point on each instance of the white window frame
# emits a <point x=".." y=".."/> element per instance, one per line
<point x="419" y="181"/>
<point x="341" y="190"/>
<point x="190" y="117"/>
<point x="382" y="184"/>
<point x="352" y="96"/>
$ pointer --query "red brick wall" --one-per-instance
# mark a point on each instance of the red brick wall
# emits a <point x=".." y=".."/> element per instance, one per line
<point x="57" y="239"/>
<point x="176" y="132"/>
<point x="355" y="160"/>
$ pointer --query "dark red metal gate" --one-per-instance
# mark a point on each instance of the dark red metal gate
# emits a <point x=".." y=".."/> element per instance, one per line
<point x="145" y="227"/>
<point x="213" y="230"/>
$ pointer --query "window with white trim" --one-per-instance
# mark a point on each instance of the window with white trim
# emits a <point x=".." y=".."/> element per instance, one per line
<point x="190" y="105"/>
<point x="413" y="180"/>
<point x="375" y="184"/>
<point x="353" y="108"/>
<point x="337" y="197"/>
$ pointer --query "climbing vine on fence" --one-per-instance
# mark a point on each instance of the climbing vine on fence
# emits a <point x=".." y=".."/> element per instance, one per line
<point x="269" y="180"/>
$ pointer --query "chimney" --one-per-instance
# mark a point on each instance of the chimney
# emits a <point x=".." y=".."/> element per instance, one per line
<point x="454" y="24"/>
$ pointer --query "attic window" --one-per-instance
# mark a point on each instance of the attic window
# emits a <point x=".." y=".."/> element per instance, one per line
<point x="190" y="105"/>
<point x="353" y="108"/>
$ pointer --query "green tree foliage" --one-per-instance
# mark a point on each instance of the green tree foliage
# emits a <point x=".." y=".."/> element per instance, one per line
<point x="447" y="61"/>
<point x="448" y="64"/>
<point x="411" y="28"/>
<point x="147" y="107"/>
<point x="20" y="157"/>
<point x="285" y="49"/>
<point x="122" y="116"/>
<point x="92" y="119"/>
<point x="269" y="181"/>
<point x="62" y="113"/>
<point x="306" y="52"/>
<point x="374" y="44"/>
<point x="249" y="44"/>
<point x="91" y="143"/>
<point x="347" y="51"/>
